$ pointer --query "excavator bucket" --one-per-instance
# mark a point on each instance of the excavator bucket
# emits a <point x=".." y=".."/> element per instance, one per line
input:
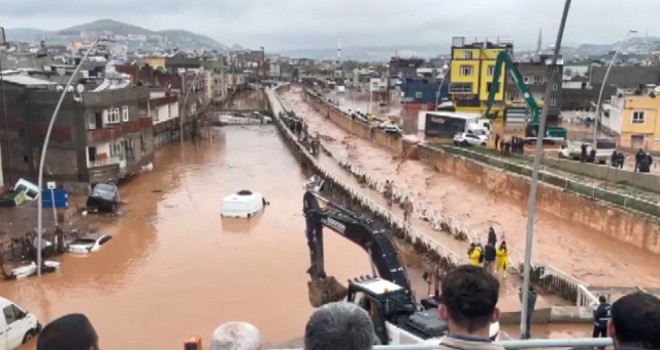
<point x="326" y="290"/>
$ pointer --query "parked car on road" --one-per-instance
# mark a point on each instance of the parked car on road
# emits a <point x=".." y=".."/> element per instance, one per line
<point x="469" y="139"/>
<point x="104" y="197"/>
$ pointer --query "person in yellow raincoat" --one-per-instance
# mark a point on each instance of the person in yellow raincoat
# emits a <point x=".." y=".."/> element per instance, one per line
<point x="475" y="254"/>
<point x="502" y="259"/>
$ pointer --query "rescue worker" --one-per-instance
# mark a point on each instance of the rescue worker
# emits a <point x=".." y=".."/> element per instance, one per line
<point x="476" y="255"/>
<point x="388" y="193"/>
<point x="407" y="209"/>
<point x="497" y="142"/>
<point x="602" y="315"/>
<point x="614" y="159"/>
<point x="638" y="158"/>
<point x="583" y="153"/>
<point x="592" y="156"/>
<point x="503" y="259"/>
<point x="644" y="165"/>
<point x="621" y="158"/>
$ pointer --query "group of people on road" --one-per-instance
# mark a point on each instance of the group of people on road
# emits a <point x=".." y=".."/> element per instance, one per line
<point x="470" y="296"/>
<point x="507" y="146"/>
<point x="491" y="257"/>
<point x="643" y="161"/>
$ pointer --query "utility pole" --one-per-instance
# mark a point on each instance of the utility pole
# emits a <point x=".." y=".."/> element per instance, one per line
<point x="531" y="211"/>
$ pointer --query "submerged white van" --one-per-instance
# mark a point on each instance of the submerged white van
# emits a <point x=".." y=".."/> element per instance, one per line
<point x="242" y="204"/>
<point x="17" y="326"/>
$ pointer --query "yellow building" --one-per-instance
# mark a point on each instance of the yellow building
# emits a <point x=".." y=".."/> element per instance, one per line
<point x="635" y="118"/>
<point x="155" y="62"/>
<point x="471" y="74"/>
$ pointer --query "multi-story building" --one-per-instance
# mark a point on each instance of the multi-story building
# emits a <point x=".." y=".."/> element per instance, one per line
<point x="634" y="118"/>
<point x="536" y="75"/>
<point x="404" y="67"/>
<point x="164" y="111"/>
<point x="217" y="84"/>
<point x="98" y="135"/>
<point x="471" y="73"/>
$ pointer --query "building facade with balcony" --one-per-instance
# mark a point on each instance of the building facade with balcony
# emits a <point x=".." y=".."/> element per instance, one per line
<point x="164" y="111"/>
<point x="97" y="136"/>
<point x="471" y="73"/>
<point x="635" y="119"/>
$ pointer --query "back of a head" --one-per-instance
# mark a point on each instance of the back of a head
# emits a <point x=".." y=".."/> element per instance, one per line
<point x="339" y="325"/>
<point x="470" y="296"/>
<point x="236" y="336"/>
<point x="636" y="321"/>
<point x="69" y="332"/>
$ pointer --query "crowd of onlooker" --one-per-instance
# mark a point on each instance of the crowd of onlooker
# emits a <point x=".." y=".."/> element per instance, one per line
<point x="470" y="295"/>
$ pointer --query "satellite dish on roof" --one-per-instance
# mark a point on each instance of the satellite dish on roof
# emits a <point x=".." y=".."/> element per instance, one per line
<point x="80" y="88"/>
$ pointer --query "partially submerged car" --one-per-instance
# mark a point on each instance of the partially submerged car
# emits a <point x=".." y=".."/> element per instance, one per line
<point x="31" y="269"/>
<point x="104" y="197"/>
<point x="88" y="244"/>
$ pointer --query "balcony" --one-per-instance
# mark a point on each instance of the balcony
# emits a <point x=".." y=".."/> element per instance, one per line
<point x="104" y="162"/>
<point x="115" y="131"/>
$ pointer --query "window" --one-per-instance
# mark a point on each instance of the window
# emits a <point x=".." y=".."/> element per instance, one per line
<point x="115" y="150"/>
<point x="460" y="88"/>
<point x="554" y="86"/>
<point x="113" y="116"/>
<point x="639" y="117"/>
<point x="124" y="113"/>
<point x="418" y="94"/>
<point x="538" y="79"/>
<point x="491" y="70"/>
<point x="553" y="102"/>
<point x="526" y="79"/>
<point x="11" y="314"/>
<point x="91" y="121"/>
<point x="466" y="70"/>
<point x="467" y="55"/>
<point x="489" y="86"/>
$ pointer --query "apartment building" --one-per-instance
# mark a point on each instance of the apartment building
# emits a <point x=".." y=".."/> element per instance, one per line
<point x="634" y="117"/>
<point x="471" y="73"/>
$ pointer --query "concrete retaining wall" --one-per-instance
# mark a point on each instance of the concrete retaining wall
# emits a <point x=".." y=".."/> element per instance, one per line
<point x="355" y="127"/>
<point x="649" y="182"/>
<point x="640" y="230"/>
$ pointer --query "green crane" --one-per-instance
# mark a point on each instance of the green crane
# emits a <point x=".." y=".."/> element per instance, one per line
<point x="503" y="58"/>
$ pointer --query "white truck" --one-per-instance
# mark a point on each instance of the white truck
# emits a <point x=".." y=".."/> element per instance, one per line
<point x="17" y="326"/>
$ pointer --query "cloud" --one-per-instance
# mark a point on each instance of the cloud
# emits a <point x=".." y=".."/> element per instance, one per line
<point x="320" y="23"/>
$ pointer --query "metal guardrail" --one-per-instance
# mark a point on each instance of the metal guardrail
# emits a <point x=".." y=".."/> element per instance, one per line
<point x="514" y="344"/>
<point x="592" y="192"/>
<point x="548" y="276"/>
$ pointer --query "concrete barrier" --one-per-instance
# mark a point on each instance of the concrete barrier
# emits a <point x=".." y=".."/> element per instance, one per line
<point x="577" y="204"/>
<point x="362" y="130"/>
<point x="648" y="182"/>
<point x="551" y="278"/>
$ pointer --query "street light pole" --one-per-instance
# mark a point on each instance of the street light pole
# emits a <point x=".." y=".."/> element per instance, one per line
<point x="531" y="211"/>
<point x="602" y="85"/>
<point x="44" y="149"/>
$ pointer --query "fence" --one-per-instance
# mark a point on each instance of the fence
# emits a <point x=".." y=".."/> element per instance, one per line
<point x="549" y="277"/>
<point x="515" y="344"/>
<point x="588" y="191"/>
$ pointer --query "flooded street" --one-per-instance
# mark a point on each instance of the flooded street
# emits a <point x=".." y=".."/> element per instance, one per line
<point x="175" y="269"/>
<point x="570" y="247"/>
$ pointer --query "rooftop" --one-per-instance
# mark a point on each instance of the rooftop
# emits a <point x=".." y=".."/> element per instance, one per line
<point x="26" y="80"/>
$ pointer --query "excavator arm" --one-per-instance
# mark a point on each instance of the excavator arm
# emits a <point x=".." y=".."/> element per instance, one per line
<point x="504" y="59"/>
<point x="361" y="231"/>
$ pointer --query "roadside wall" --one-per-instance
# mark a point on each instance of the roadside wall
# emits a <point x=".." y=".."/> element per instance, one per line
<point x="640" y="230"/>
<point x="649" y="182"/>
<point x="355" y="127"/>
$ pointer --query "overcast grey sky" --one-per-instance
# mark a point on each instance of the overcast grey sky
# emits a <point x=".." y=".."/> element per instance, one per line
<point x="285" y="24"/>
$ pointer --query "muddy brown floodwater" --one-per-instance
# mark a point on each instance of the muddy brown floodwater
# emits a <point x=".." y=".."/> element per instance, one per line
<point x="175" y="269"/>
<point x="572" y="248"/>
